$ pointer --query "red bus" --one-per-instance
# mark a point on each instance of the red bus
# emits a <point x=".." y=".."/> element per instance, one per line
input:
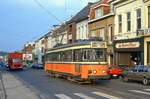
<point x="15" y="61"/>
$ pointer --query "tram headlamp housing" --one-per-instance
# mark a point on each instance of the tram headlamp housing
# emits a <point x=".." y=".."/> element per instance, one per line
<point x="94" y="71"/>
<point x="89" y="71"/>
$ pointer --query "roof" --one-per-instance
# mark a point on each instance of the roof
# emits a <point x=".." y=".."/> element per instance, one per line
<point x="81" y="15"/>
<point x="101" y="2"/>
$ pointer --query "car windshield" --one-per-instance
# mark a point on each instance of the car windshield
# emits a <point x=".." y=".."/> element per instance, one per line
<point x="17" y="60"/>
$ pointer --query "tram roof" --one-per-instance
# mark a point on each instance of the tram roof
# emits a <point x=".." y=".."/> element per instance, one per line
<point x="87" y="44"/>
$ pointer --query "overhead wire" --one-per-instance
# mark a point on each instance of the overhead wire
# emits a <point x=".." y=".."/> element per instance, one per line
<point x="51" y="14"/>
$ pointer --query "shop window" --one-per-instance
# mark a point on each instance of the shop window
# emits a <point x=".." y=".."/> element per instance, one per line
<point x="138" y="18"/>
<point x="128" y="21"/>
<point x="120" y="23"/>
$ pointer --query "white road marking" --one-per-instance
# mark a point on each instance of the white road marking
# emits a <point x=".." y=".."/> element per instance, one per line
<point x="105" y="95"/>
<point x="138" y="91"/>
<point x="62" y="96"/>
<point x="147" y="89"/>
<point x="83" y="96"/>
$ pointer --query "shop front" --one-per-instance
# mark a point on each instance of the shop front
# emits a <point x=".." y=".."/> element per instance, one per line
<point x="146" y="35"/>
<point x="129" y="52"/>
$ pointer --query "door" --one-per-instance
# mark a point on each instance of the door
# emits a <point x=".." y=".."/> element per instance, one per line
<point x="148" y="53"/>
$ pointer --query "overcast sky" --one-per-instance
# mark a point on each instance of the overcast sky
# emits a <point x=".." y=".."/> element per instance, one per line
<point x="24" y="20"/>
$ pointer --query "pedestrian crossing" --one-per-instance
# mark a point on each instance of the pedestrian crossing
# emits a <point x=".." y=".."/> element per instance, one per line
<point x="84" y="96"/>
<point x="105" y="95"/>
<point x="143" y="91"/>
<point x="101" y="95"/>
<point x="62" y="96"/>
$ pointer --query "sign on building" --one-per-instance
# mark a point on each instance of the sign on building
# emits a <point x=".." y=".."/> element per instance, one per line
<point x="27" y="56"/>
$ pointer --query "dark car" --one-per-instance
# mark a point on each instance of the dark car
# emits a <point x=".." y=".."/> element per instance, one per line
<point x="138" y="73"/>
<point x="38" y="66"/>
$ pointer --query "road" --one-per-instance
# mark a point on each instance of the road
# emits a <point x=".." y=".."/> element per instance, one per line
<point x="44" y="87"/>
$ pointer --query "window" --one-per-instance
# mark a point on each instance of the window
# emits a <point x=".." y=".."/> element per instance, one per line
<point x="120" y="23"/>
<point x="93" y="33"/>
<point x="149" y="16"/>
<point x="70" y="28"/>
<point x="102" y="33"/>
<point x="42" y="50"/>
<point x="82" y="32"/>
<point x="128" y="21"/>
<point x="138" y="18"/>
<point x="98" y="55"/>
<point x="79" y="32"/>
<point x="98" y="12"/>
<point x="110" y="36"/>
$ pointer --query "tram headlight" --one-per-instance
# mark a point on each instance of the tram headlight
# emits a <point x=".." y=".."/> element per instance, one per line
<point x="103" y="71"/>
<point x="94" y="71"/>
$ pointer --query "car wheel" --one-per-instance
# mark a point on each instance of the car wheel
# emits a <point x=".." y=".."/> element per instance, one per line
<point x="145" y="81"/>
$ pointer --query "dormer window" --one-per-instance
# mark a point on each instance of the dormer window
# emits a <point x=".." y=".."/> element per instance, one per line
<point x="98" y="12"/>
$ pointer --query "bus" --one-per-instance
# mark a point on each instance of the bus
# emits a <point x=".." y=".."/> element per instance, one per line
<point x="15" y="61"/>
<point x="83" y="61"/>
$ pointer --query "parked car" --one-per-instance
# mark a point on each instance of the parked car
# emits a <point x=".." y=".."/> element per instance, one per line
<point x="115" y="72"/>
<point x="38" y="66"/>
<point x="138" y="73"/>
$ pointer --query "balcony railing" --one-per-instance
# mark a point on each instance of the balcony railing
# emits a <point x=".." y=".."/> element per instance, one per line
<point x="125" y="36"/>
<point x="143" y="32"/>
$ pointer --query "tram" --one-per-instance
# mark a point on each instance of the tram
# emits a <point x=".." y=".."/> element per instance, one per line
<point x="83" y="61"/>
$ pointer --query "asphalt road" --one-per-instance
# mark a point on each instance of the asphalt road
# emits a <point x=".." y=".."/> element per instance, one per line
<point x="46" y="87"/>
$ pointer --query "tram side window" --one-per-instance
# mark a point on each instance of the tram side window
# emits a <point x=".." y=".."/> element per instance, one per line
<point x="98" y="55"/>
<point x="82" y="55"/>
<point x="55" y="57"/>
<point x="62" y="56"/>
<point x="86" y="55"/>
<point x="69" y="57"/>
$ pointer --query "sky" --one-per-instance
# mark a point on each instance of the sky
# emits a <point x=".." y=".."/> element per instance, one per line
<point x="22" y="21"/>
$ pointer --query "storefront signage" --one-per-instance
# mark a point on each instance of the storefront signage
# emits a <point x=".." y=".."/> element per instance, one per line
<point x="128" y="45"/>
<point x="27" y="56"/>
<point x="98" y="45"/>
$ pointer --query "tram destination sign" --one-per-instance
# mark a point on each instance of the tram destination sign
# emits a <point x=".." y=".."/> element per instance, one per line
<point x="98" y="45"/>
<point x="128" y="45"/>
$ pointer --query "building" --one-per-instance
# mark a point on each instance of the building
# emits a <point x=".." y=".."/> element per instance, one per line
<point x="101" y="26"/>
<point x="58" y="36"/>
<point x="41" y="45"/>
<point x="29" y="47"/>
<point x="78" y="25"/>
<point x="130" y="17"/>
<point x="28" y="51"/>
<point x="145" y="30"/>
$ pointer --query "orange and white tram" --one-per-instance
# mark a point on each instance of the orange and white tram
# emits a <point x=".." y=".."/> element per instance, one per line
<point x="84" y="61"/>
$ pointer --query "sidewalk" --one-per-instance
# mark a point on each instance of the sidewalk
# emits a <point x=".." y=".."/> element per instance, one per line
<point x="2" y="91"/>
<point x="15" y="88"/>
